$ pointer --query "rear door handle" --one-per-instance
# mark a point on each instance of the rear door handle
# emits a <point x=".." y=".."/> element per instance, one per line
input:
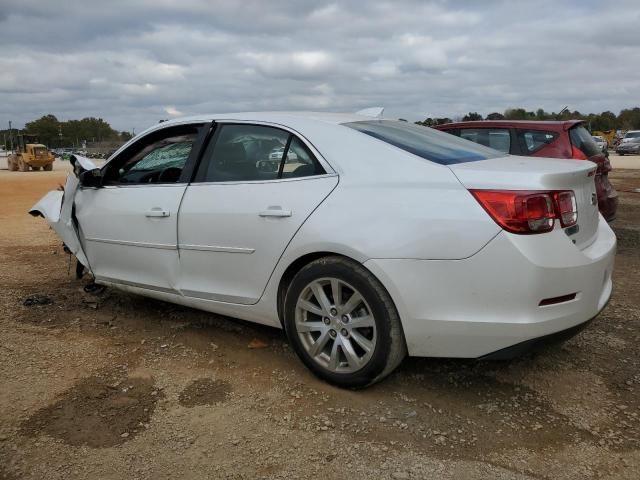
<point x="157" y="212"/>
<point x="275" y="212"/>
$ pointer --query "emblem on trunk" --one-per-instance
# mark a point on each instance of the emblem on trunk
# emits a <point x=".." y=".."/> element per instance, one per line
<point x="594" y="199"/>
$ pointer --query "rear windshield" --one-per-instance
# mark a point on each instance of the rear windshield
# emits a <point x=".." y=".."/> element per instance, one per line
<point x="425" y="142"/>
<point x="632" y="135"/>
<point x="581" y="139"/>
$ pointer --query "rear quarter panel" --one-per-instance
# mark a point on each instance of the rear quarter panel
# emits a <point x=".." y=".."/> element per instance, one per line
<point x="390" y="204"/>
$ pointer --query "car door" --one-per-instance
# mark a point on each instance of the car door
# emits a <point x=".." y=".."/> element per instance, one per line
<point x="254" y="188"/>
<point x="128" y="224"/>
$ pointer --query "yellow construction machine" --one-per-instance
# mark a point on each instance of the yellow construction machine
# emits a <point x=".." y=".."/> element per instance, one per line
<point x="30" y="155"/>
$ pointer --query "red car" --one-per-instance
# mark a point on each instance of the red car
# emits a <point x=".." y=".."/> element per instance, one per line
<point x="556" y="139"/>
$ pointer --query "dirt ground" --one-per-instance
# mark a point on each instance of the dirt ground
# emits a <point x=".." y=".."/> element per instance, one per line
<point x="110" y="386"/>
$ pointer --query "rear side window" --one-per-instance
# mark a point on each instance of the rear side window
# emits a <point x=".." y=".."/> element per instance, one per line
<point x="533" y="140"/>
<point x="582" y="140"/>
<point x="425" y="142"/>
<point x="496" y="138"/>
<point x="246" y="153"/>
<point x="299" y="162"/>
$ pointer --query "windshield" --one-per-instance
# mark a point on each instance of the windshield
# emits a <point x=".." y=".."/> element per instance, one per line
<point x="425" y="142"/>
<point x="632" y="135"/>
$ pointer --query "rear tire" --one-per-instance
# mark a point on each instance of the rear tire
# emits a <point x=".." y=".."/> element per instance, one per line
<point x="351" y="341"/>
<point x="48" y="168"/>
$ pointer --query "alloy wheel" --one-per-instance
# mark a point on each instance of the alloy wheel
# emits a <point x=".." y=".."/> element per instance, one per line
<point x="335" y="325"/>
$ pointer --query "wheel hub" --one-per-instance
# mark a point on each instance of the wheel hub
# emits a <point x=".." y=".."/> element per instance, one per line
<point x="335" y="325"/>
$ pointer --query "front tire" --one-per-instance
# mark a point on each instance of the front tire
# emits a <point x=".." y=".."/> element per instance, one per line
<point x="342" y="323"/>
<point x="48" y="168"/>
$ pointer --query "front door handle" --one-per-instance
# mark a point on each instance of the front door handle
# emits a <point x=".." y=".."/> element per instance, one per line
<point x="275" y="212"/>
<point x="157" y="212"/>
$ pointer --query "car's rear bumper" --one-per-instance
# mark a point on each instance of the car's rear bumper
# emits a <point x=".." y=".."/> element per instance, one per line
<point x="477" y="306"/>
<point x="533" y="344"/>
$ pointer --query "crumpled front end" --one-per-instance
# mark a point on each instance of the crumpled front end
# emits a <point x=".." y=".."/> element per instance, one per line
<point x="57" y="208"/>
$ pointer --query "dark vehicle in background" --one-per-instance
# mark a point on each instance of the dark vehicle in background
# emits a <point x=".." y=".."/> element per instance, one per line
<point x="630" y="143"/>
<point x="555" y="139"/>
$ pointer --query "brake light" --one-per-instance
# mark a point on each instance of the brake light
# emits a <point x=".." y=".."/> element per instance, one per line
<point x="577" y="153"/>
<point x="528" y="212"/>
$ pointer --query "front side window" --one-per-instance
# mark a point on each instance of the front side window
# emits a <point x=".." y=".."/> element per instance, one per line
<point x="425" y="142"/>
<point x="156" y="158"/>
<point x="533" y="140"/>
<point x="244" y="153"/>
<point x="496" y="138"/>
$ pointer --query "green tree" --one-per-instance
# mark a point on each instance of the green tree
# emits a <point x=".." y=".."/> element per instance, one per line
<point x="495" y="116"/>
<point x="472" y="117"/>
<point x="515" y="114"/>
<point x="45" y="128"/>
<point x="428" y="122"/>
<point x="629" y="119"/>
<point x="541" y="114"/>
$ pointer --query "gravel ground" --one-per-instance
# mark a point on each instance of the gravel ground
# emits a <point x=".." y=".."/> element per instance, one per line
<point x="111" y="385"/>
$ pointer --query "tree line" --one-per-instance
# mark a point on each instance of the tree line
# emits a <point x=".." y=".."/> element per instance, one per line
<point x="627" y="119"/>
<point x="55" y="133"/>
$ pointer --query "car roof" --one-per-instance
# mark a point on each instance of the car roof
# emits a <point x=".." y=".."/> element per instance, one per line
<point x="534" y="124"/>
<point x="289" y="118"/>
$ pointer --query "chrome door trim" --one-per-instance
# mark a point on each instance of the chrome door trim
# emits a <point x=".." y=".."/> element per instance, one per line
<point x="215" y="248"/>
<point x="273" y="180"/>
<point x="163" y="246"/>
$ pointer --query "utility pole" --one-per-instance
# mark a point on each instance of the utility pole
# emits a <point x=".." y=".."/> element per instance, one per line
<point x="10" y="137"/>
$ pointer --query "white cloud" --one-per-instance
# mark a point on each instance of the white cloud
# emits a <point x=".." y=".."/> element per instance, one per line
<point x="173" y="111"/>
<point x="133" y="62"/>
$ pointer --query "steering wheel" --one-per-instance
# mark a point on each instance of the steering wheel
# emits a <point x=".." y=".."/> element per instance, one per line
<point x="169" y="175"/>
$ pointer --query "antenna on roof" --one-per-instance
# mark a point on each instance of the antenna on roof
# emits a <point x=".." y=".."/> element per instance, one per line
<point x="375" y="112"/>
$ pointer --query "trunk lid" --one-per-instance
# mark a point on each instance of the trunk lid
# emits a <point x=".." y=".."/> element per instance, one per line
<point x="540" y="174"/>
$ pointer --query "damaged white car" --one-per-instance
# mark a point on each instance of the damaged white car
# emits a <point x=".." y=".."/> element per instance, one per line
<point x="368" y="240"/>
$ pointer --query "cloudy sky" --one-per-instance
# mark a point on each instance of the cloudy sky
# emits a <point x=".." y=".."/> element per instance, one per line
<point x="135" y="62"/>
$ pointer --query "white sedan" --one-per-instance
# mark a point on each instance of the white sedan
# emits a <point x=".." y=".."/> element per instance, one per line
<point x="382" y="238"/>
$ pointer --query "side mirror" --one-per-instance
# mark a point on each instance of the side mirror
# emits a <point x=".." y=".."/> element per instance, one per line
<point x="91" y="178"/>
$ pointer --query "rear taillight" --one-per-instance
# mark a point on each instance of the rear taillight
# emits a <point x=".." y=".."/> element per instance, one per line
<point x="577" y="153"/>
<point x="566" y="207"/>
<point x="528" y="212"/>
